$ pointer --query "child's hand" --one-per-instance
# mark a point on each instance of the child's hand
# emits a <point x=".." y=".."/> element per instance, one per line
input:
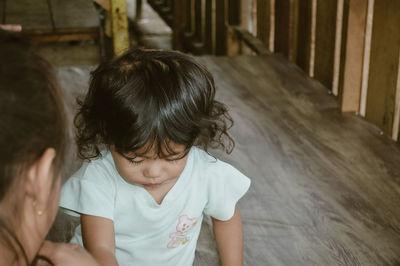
<point x="63" y="254"/>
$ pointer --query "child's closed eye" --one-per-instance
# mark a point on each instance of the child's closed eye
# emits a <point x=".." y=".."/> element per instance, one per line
<point x="175" y="160"/>
<point x="135" y="162"/>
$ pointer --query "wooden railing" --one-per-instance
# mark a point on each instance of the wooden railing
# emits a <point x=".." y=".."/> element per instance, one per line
<point x="350" y="46"/>
<point x="199" y="26"/>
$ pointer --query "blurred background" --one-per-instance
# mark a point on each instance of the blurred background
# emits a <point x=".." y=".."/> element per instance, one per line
<point x="313" y="87"/>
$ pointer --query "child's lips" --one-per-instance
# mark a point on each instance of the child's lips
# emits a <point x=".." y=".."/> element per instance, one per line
<point x="152" y="186"/>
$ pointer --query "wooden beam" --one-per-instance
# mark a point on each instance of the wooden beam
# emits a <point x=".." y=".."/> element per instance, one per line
<point x="139" y="9"/>
<point x="325" y="41"/>
<point x="282" y="13"/>
<point x="178" y="24"/>
<point x="396" y="120"/>
<point x="304" y="36"/>
<point x="2" y="11"/>
<point x="209" y="45"/>
<point x="345" y="21"/>
<point x="383" y="69"/>
<point x="221" y="27"/>
<point x="234" y="12"/>
<point x="286" y="14"/>
<point x="119" y="22"/>
<point x="338" y="47"/>
<point x="63" y="37"/>
<point x="357" y="23"/>
<point x="251" y="41"/>
<point x="263" y="21"/>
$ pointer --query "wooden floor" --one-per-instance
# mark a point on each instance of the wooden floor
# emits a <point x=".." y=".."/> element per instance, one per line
<point x="52" y="19"/>
<point x="325" y="185"/>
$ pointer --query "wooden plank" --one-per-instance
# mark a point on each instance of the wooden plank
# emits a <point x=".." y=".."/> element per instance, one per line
<point x="325" y="41"/>
<point x="383" y="68"/>
<point x="119" y="26"/>
<point x="345" y="21"/>
<point x="34" y="16"/>
<point x="198" y="21"/>
<point x="282" y="13"/>
<point x="304" y="36"/>
<point x="263" y="21"/>
<point x="338" y="47"/>
<point x="396" y="120"/>
<point x="251" y="41"/>
<point x="179" y="21"/>
<point x="351" y="92"/>
<point x="2" y="11"/>
<point x="208" y="33"/>
<point x="64" y="37"/>
<point x="286" y="13"/>
<point x="221" y="28"/>
<point x="74" y="16"/>
<point x="234" y="12"/>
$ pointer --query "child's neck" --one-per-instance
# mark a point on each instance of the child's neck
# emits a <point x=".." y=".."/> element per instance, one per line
<point x="160" y="192"/>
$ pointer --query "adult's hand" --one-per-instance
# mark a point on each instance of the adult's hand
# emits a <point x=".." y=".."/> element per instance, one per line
<point x="11" y="27"/>
<point x="63" y="254"/>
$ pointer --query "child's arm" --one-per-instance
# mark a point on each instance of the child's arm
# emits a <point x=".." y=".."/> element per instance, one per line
<point x="99" y="238"/>
<point x="229" y="236"/>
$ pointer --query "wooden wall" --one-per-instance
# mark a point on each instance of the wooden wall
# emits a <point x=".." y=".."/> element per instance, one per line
<point x="350" y="46"/>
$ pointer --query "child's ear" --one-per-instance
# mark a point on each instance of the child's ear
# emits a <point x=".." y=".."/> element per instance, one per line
<point x="39" y="178"/>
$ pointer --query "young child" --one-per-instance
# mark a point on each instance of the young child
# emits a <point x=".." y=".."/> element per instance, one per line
<point x="145" y="126"/>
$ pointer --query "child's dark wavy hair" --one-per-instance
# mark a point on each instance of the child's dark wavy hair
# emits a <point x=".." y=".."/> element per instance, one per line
<point x="151" y="97"/>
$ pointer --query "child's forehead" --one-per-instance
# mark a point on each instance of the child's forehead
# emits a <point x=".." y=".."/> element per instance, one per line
<point x="151" y="150"/>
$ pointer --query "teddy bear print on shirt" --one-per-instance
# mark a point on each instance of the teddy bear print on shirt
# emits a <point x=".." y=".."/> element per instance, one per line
<point x="185" y="224"/>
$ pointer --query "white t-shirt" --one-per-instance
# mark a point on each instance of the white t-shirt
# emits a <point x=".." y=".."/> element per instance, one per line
<point x="148" y="233"/>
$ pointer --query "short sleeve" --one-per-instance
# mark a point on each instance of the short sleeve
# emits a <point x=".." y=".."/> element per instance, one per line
<point x="226" y="185"/>
<point x="90" y="191"/>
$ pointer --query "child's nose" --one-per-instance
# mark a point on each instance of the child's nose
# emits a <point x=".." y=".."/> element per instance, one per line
<point x="153" y="169"/>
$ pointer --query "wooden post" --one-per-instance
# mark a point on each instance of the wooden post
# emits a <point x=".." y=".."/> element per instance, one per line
<point x="351" y="92"/>
<point x="119" y="22"/>
<point x="384" y="61"/>
<point x="263" y="21"/>
<point x="221" y="28"/>
<point x="304" y="36"/>
<point x="286" y="14"/>
<point x="139" y="7"/>
<point x="396" y="120"/>
<point x="179" y="22"/>
<point x="209" y="45"/>
<point x="325" y="41"/>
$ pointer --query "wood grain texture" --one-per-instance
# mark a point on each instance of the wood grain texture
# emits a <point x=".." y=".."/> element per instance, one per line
<point x="383" y="70"/>
<point x="304" y="36"/>
<point x="220" y="28"/>
<point x="325" y="41"/>
<point x="74" y="16"/>
<point x="325" y="185"/>
<point x="343" y="51"/>
<point x="282" y="19"/>
<point x="34" y="16"/>
<point x="351" y="93"/>
<point x="2" y="11"/>
<point x="263" y="21"/>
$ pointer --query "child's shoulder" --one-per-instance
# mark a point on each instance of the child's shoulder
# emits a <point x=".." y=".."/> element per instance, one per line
<point x="209" y="164"/>
<point x="96" y="169"/>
